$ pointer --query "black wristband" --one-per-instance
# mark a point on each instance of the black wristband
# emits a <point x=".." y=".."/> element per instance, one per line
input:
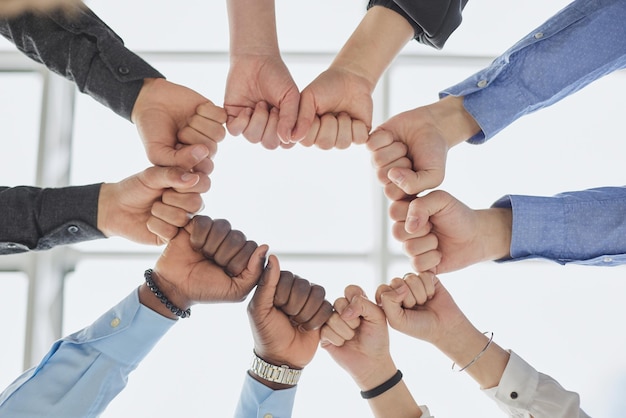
<point x="382" y="388"/>
<point x="186" y="313"/>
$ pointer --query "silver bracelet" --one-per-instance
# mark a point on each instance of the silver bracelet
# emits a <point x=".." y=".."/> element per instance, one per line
<point x="478" y="355"/>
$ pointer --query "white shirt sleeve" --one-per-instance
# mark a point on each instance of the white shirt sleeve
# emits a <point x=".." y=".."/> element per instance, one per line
<point x="523" y="392"/>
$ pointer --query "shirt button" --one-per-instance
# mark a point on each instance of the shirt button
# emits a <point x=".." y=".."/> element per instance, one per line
<point x="123" y="70"/>
<point x="11" y="246"/>
<point x="72" y="229"/>
<point x="482" y="83"/>
<point x="268" y="416"/>
<point x="115" y="322"/>
<point x="607" y="259"/>
<point x="513" y="395"/>
<point x="538" y="35"/>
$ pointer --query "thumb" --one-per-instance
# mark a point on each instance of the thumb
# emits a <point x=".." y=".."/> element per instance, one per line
<point x="306" y="115"/>
<point x="263" y="298"/>
<point x="422" y="208"/>
<point x="411" y="182"/>
<point x="391" y="302"/>
<point x="168" y="177"/>
<point x="363" y="307"/>
<point x="287" y="116"/>
<point x="185" y="156"/>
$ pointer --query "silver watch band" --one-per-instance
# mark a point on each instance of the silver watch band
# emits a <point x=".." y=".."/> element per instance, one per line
<point x="278" y="374"/>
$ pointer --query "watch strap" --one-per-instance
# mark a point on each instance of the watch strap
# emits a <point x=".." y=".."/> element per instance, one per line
<point x="272" y="373"/>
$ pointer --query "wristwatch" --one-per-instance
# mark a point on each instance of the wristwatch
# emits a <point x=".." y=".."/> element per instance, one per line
<point x="278" y="374"/>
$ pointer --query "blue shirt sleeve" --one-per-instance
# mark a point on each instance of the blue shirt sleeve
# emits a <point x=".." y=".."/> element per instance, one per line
<point x="84" y="371"/>
<point x="580" y="44"/>
<point x="583" y="227"/>
<point x="257" y="400"/>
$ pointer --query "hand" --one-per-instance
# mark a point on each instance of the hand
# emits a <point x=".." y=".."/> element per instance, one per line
<point x="421" y="307"/>
<point x="357" y="338"/>
<point x="178" y="126"/>
<point x="187" y="275"/>
<point x="149" y="207"/>
<point x="335" y="110"/>
<point x="425" y="135"/>
<point x="261" y="99"/>
<point x="449" y="235"/>
<point x="278" y="339"/>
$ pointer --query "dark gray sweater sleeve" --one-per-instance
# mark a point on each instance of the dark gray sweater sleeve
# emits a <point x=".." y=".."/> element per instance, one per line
<point x="433" y="20"/>
<point x="39" y="219"/>
<point x="80" y="47"/>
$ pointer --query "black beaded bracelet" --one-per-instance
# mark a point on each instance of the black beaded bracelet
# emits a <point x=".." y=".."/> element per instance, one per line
<point x="169" y="305"/>
<point x="382" y="388"/>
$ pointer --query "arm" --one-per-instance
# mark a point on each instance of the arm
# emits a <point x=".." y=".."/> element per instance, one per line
<point x="421" y="307"/>
<point x="179" y="127"/>
<point x="83" y="372"/>
<point x="433" y="22"/>
<point x="146" y="208"/>
<point x="261" y="98"/>
<point x="520" y="81"/>
<point x="286" y="313"/>
<point x="450" y="236"/>
<point x="357" y="338"/>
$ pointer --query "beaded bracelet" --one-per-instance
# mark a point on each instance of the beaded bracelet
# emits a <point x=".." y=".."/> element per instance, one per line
<point x="382" y="388"/>
<point x="478" y="355"/>
<point x="169" y="305"/>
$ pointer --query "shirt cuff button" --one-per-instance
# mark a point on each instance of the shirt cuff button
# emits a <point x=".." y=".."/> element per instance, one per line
<point x="513" y="395"/>
<point x="72" y="229"/>
<point x="123" y="70"/>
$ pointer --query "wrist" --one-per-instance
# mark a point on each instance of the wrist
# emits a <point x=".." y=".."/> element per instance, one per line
<point x="375" y="376"/>
<point x="106" y="199"/>
<point x="498" y="227"/>
<point x="453" y="120"/>
<point x="163" y="297"/>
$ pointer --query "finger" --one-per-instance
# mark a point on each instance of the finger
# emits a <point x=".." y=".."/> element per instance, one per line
<point x="344" y="131"/>
<point x="391" y="303"/>
<point x="409" y="300"/>
<point x="250" y="276"/>
<point x="189" y="135"/>
<point x="210" y="111"/>
<point x="238" y="263"/>
<point x="262" y="300"/>
<point x="429" y="280"/>
<point x="379" y="139"/>
<point x="172" y="215"/>
<point x="414" y="182"/>
<point x="288" y="116"/>
<point x="416" y="286"/>
<point x="199" y="229"/>
<point x="254" y="131"/>
<point x="426" y="261"/>
<point x="422" y="208"/>
<point x="163" y="230"/>
<point x="312" y="305"/>
<point x="353" y="323"/>
<point x="217" y="235"/>
<point x="399" y="232"/>
<point x="239" y="120"/>
<point x="205" y="167"/>
<point x="319" y="318"/>
<point x="297" y="297"/>
<point x="327" y="135"/>
<point x="360" y="306"/>
<point x="359" y="132"/>
<point x="166" y="177"/>
<point x="337" y="330"/>
<point x="283" y="289"/>
<point x="206" y="130"/>
<point x="232" y="244"/>
<point x="307" y="113"/>
<point x="394" y="193"/>
<point x="416" y="246"/>
<point x="185" y="157"/>
<point x="189" y="202"/>
<point x="392" y="155"/>
<point x="270" y="139"/>
<point x="309" y="139"/>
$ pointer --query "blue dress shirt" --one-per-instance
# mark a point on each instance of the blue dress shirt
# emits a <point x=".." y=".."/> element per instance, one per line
<point x="583" y="42"/>
<point x="582" y="227"/>
<point x="84" y="371"/>
<point x="259" y="401"/>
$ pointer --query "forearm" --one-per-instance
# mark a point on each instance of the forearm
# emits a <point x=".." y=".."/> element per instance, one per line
<point x="252" y="27"/>
<point x="551" y="227"/>
<point x="39" y="219"/>
<point x="83" y="49"/>
<point x="380" y="36"/>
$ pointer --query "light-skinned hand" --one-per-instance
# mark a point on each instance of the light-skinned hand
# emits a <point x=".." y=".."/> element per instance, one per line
<point x="149" y="207"/>
<point x="179" y="127"/>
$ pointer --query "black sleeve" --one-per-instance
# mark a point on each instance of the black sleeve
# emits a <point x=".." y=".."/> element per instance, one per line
<point x="39" y="219"/>
<point x="433" y="20"/>
<point x="80" y="47"/>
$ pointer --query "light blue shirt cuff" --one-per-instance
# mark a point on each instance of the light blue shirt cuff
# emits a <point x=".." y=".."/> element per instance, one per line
<point x="257" y="400"/>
